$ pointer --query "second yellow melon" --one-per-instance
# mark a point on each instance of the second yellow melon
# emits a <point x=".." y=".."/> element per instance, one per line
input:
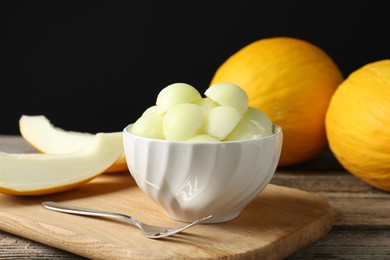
<point x="358" y="121"/>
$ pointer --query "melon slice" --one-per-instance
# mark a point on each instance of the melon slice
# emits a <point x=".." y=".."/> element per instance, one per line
<point x="40" y="133"/>
<point x="39" y="174"/>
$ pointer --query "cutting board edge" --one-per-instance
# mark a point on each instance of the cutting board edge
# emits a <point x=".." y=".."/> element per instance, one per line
<point x="326" y="221"/>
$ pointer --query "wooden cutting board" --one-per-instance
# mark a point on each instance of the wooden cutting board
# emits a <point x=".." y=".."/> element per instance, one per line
<point x="277" y="223"/>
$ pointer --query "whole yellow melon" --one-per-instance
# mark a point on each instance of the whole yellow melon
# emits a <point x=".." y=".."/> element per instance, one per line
<point x="292" y="81"/>
<point x="358" y="124"/>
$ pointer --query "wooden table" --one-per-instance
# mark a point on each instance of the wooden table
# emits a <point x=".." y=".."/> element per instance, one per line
<point x="361" y="229"/>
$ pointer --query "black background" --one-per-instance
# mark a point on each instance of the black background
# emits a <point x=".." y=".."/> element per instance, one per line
<point x="95" y="66"/>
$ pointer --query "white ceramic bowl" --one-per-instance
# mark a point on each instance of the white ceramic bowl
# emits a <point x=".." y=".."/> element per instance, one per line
<point x="192" y="180"/>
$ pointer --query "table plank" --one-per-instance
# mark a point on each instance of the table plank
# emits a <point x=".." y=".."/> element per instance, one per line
<point x="362" y="224"/>
<point x="343" y="243"/>
<point x="15" y="247"/>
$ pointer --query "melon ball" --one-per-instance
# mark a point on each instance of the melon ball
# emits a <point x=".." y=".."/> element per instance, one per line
<point x="258" y="116"/>
<point x="152" y="109"/>
<point x="206" y="103"/>
<point x="248" y="129"/>
<point x="183" y="121"/>
<point x="221" y="120"/>
<point x="176" y="93"/>
<point x="227" y="94"/>
<point x="149" y="125"/>
<point x="261" y="119"/>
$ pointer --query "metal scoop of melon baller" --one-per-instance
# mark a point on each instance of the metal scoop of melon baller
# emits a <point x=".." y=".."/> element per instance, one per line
<point x="148" y="231"/>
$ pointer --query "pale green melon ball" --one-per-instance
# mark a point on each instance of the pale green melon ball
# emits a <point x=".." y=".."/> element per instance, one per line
<point x="221" y="120"/>
<point x="153" y="109"/>
<point x="183" y="121"/>
<point x="258" y="116"/>
<point x="149" y="125"/>
<point x="206" y="103"/>
<point x="244" y="130"/>
<point x="247" y="129"/>
<point x="265" y="130"/>
<point x="261" y="119"/>
<point x="227" y="94"/>
<point x="203" y="138"/>
<point x="176" y="93"/>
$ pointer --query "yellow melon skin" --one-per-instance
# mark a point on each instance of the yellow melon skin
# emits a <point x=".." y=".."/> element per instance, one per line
<point x="358" y="124"/>
<point x="292" y="81"/>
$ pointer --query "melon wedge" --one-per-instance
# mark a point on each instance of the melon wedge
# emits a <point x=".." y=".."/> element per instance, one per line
<point x="39" y="174"/>
<point x="40" y="133"/>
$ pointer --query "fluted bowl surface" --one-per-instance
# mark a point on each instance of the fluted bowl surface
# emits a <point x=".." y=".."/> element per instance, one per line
<point x="189" y="180"/>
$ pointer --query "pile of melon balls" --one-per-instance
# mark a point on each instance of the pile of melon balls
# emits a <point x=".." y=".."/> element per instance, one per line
<point x="182" y="114"/>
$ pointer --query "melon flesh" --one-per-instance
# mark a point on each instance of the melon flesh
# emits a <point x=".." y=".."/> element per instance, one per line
<point x="227" y="94"/>
<point x="221" y="121"/>
<point x="175" y="94"/>
<point x="183" y="121"/>
<point x="38" y="174"/>
<point x="40" y="133"/>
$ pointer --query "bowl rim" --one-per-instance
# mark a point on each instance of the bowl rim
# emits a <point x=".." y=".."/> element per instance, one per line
<point x="275" y="128"/>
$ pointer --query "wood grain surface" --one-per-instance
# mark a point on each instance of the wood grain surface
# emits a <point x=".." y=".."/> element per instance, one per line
<point x="362" y="213"/>
<point x="277" y="223"/>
